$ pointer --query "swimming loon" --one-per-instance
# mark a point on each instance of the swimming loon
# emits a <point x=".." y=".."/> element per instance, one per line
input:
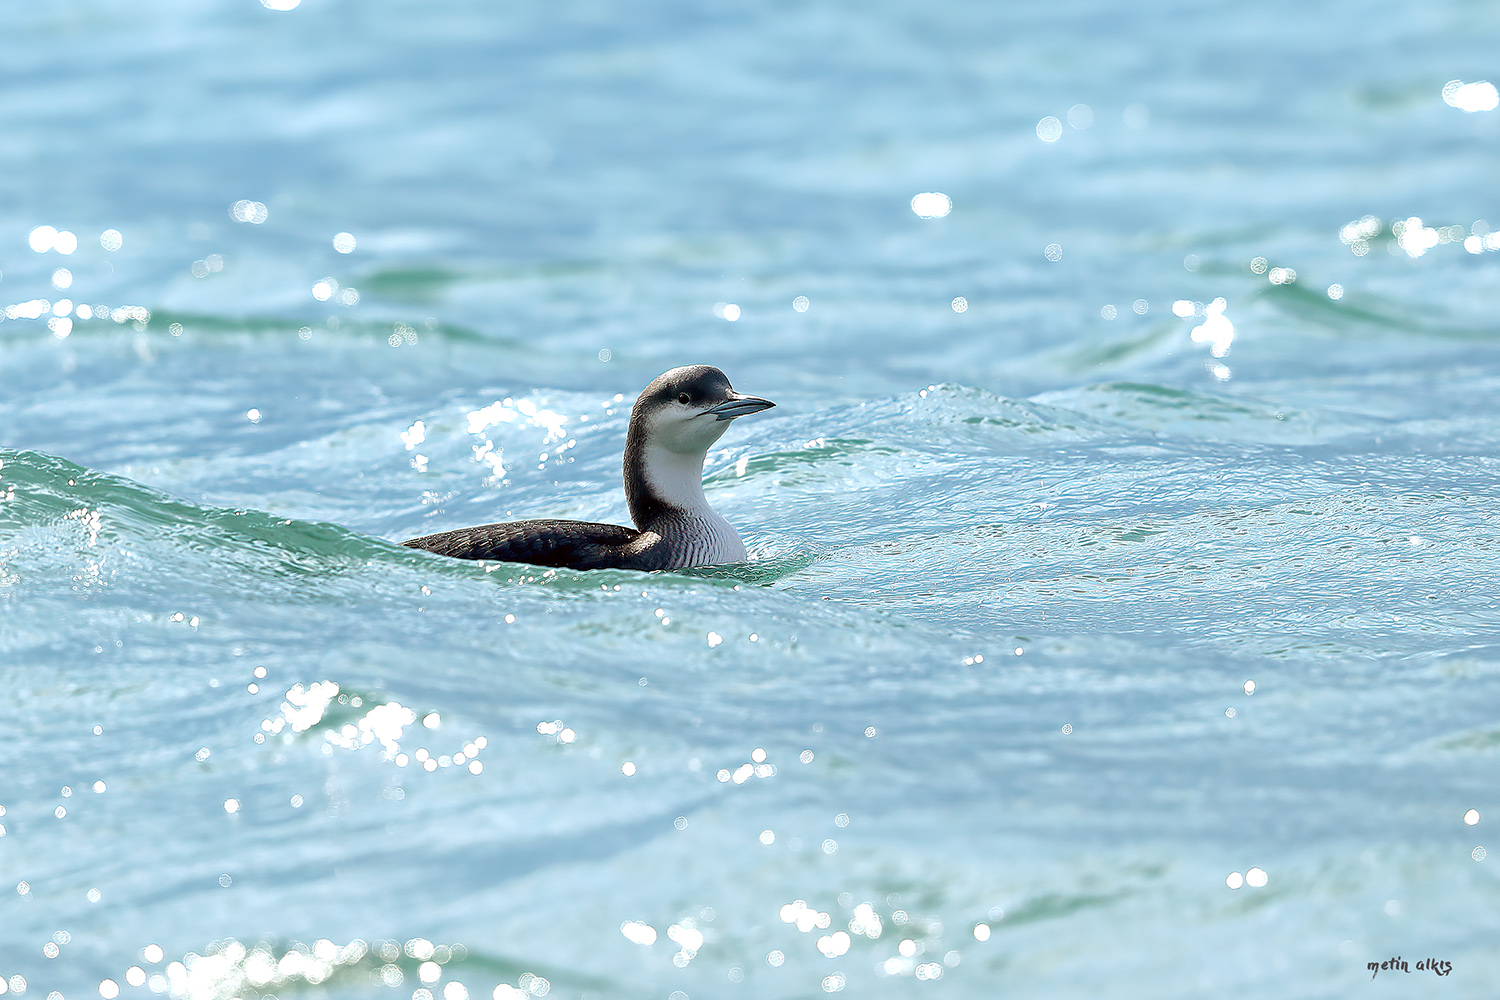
<point x="673" y="423"/>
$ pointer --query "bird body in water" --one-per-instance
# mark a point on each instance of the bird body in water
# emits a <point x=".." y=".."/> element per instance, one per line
<point x="674" y="422"/>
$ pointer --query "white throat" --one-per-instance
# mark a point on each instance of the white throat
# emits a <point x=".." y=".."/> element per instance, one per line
<point x="676" y="478"/>
<point x="695" y="534"/>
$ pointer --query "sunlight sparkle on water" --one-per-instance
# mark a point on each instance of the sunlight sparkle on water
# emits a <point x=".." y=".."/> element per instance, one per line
<point x="865" y="921"/>
<point x="805" y="917"/>
<point x="45" y="238"/>
<point x="557" y="731"/>
<point x="253" y="212"/>
<point x="931" y="205"/>
<point x="383" y="724"/>
<point x="32" y="309"/>
<point x="1049" y="129"/>
<point x="638" y="932"/>
<point x="1413" y="237"/>
<point x="304" y="707"/>
<point x="1216" y="330"/>
<point x="689" y="940"/>
<point x="1471" y="97"/>
<point x="833" y="945"/>
<point x="525" y="411"/>
<point x="414" y="435"/>
<point x="1358" y="234"/>
<point x="229" y="967"/>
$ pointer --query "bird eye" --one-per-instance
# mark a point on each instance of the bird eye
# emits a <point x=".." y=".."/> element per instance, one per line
<point x="683" y="398"/>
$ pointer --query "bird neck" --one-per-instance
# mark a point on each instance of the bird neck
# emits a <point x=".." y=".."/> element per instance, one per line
<point x="660" y="482"/>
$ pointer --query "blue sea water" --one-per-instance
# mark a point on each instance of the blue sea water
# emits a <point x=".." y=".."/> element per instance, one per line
<point x="1121" y="617"/>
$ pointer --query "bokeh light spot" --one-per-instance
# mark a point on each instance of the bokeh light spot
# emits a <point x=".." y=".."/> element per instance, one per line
<point x="253" y="212"/>
<point x="1471" y="97"/>
<point x="931" y="205"/>
<point x="638" y="932"/>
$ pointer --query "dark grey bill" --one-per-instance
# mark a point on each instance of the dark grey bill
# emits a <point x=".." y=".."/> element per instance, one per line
<point x="738" y="406"/>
